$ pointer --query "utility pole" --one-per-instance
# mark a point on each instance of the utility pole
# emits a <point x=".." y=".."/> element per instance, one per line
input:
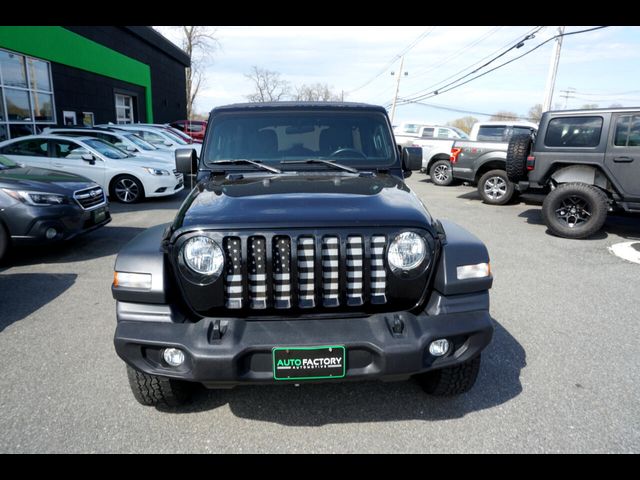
<point x="395" y="97"/>
<point x="567" y="95"/>
<point x="553" y="70"/>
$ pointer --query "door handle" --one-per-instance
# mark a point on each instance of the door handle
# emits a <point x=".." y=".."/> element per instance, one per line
<point x="58" y="165"/>
<point x="622" y="159"/>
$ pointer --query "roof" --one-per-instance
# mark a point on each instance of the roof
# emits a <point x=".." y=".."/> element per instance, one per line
<point x="156" y="39"/>
<point x="299" y="106"/>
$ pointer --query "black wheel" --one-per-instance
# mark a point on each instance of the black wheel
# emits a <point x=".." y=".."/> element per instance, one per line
<point x="4" y="241"/>
<point x="575" y="210"/>
<point x="451" y="380"/>
<point x="495" y="188"/>
<point x="151" y="390"/>
<point x="441" y="173"/>
<point x="126" y="189"/>
<point x="517" y="153"/>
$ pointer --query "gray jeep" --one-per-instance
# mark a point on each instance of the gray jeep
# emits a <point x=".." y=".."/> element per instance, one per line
<point x="589" y="160"/>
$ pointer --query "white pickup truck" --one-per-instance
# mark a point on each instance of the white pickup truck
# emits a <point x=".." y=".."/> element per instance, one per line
<point x="436" y="142"/>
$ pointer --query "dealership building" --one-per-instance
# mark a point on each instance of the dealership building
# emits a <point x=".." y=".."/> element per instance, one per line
<point x="86" y="76"/>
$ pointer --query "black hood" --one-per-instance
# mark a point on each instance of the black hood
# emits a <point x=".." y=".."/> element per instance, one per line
<point x="302" y="200"/>
<point x="42" y="179"/>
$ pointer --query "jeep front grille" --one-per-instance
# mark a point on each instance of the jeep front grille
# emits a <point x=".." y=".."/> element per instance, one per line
<point x="304" y="271"/>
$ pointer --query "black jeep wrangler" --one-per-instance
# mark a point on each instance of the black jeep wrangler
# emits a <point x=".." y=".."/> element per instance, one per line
<point x="588" y="161"/>
<point x="301" y="256"/>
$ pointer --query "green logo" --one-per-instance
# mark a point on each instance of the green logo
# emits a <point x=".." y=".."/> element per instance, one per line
<point x="291" y="362"/>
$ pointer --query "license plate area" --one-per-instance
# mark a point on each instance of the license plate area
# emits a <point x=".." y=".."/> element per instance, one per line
<point x="309" y="363"/>
<point x="99" y="215"/>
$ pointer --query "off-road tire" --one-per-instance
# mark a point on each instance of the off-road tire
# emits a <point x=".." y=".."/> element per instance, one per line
<point x="436" y="170"/>
<point x="450" y="381"/>
<point x="4" y="241"/>
<point x="151" y="390"/>
<point x="496" y="198"/>
<point x="517" y="153"/>
<point x="596" y="201"/>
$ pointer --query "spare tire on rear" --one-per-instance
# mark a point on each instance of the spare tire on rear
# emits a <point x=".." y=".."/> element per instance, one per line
<point x="517" y="153"/>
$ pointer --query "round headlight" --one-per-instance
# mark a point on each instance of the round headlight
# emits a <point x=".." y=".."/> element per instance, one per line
<point x="407" y="251"/>
<point x="203" y="256"/>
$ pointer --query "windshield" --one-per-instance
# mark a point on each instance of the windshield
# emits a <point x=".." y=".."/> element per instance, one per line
<point x="143" y="144"/>
<point x="6" y="163"/>
<point x="106" y="149"/>
<point x="174" y="137"/>
<point x="355" y="139"/>
<point x="181" y="134"/>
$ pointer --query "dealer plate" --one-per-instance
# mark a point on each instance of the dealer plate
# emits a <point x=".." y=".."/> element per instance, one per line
<point x="308" y="363"/>
<point x="99" y="215"/>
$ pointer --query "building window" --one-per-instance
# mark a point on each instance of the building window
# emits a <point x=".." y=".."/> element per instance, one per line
<point x="124" y="109"/>
<point x="26" y="95"/>
<point x="69" y="118"/>
<point x="88" y="119"/>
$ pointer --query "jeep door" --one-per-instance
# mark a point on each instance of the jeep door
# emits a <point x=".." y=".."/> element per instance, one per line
<point x="623" y="153"/>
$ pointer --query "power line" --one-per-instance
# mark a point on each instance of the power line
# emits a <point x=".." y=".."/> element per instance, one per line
<point x="415" y="42"/>
<point x="458" y="110"/>
<point x="510" y="47"/>
<point x="440" y="91"/>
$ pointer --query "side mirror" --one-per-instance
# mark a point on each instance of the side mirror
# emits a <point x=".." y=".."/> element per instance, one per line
<point x="167" y="143"/>
<point x="411" y="158"/>
<point x="87" y="157"/>
<point x="186" y="161"/>
<point x="131" y="148"/>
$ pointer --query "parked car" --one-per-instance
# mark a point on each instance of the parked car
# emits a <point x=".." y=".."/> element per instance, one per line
<point x="500" y="130"/>
<point x="194" y="128"/>
<point x="305" y="258"/>
<point x="482" y="163"/>
<point x="158" y="136"/>
<point x="126" y="178"/>
<point x="127" y="141"/>
<point x="588" y="161"/>
<point x="42" y="206"/>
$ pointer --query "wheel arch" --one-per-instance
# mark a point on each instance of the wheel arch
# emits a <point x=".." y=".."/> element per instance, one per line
<point x="116" y="176"/>
<point x="488" y="165"/>
<point x="436" y="158"/>
<point x="589" y="174"/>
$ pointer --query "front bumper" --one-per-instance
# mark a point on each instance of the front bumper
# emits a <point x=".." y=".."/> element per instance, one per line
<point x="243" y="353"/>
<point x="29" y="224"/>
<point x="163" y="185"/>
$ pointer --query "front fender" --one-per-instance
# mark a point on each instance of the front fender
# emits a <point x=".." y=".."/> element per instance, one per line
<point x="143" y="254"/>
<point x="460" y="248"/>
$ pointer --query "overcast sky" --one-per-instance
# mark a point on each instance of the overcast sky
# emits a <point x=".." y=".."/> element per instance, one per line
<point x="602" y="66"/>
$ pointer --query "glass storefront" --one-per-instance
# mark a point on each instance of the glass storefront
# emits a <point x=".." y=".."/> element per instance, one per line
<point x="26" y="95"/>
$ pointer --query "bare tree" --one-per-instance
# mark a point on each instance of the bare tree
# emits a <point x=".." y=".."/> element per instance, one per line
<point x="464" y="123"/>
<point x="317" y="92"/>
<point x="589" y="106"/>
<point x="535" y="113"/>
<point x="199" y="42"/>
<point x="615" y="105"/>
<point x="269" y="87"/>
<point x="504" y="115"/>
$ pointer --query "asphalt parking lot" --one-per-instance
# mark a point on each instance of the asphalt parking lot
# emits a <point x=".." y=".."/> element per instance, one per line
<point x="561" y="374"/>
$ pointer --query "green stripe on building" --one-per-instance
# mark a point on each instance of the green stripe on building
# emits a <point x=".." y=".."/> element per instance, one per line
<point x="59" y="45"/>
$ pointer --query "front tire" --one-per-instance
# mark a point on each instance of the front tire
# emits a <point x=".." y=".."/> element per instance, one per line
<point x="495" y="188"/>
<point x="450" y="381"/>
<point x="126" y="189"/>
<point x="441" y="173"/>
<point x="154" y="391"/>
<point x="575" y="210"/>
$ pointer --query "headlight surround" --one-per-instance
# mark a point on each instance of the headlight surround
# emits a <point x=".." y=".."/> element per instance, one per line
<point x="37" y="199"/>
<point x="406" y="252"/>
<point x="203" y="256"/>
<point x="157" y="171"/>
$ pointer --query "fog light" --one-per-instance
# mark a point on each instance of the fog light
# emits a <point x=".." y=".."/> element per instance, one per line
<point x="439" y="347"/>
<point x="173" y="356"/>
<point x="51" y="233"/>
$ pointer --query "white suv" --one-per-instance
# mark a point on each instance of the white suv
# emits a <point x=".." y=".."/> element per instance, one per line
<point x="127" y="178"/>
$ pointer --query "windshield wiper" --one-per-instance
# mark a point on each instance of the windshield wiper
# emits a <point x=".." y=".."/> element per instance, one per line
<point x="250" y="162"/>
<point x="339" y="166"/>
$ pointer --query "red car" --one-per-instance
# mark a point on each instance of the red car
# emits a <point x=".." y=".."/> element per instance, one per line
<point x="194" y="128"/>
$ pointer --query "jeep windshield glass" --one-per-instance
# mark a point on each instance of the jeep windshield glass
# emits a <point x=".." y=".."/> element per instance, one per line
<point x="354" y="139"/>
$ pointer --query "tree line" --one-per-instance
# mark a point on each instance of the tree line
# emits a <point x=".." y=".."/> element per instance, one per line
<point x="269" y="86"/>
